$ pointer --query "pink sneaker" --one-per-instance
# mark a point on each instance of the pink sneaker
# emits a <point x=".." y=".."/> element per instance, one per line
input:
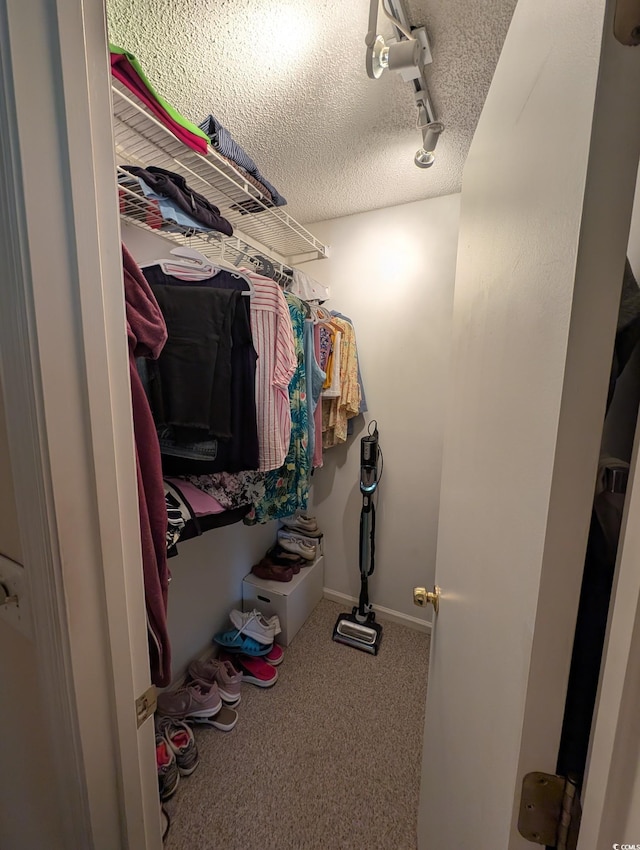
<point x="275" y="655"/>
<point x="196" y="699"/>
<point x="222" y="673"/>
<point x="255" y="671"/>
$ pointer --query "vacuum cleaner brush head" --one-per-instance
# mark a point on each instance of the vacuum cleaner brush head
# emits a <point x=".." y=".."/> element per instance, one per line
<point x="364" y="636"/>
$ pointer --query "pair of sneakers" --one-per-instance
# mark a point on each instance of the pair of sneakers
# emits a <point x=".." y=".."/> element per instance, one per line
<point x="194" y="700"/>
<point x="219" y="674"/>
<point x="198" y="701"/>
<point x="254" y="624"/>
<point x="298" y="544"/>
<point x="176" y="754"/>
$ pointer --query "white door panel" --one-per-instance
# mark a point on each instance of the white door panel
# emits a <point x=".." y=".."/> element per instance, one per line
<point x="546" y="205"/>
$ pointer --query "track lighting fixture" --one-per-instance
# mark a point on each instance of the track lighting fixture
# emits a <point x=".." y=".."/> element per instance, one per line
<point x="425" y="156"/>
<point x="397" y="56"/>
<point x="407" y="53"/>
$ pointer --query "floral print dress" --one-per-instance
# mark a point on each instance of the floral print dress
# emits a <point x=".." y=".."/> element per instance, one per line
<point x="287" y="489"/>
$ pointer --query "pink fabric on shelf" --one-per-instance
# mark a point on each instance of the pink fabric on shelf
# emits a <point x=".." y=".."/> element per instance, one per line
<point x="122" y="70"/>
<point x="317" y="416"/>
<point x="201" y="503"/>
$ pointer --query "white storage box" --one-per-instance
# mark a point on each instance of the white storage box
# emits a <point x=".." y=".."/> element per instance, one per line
<point x="293" y="601"/>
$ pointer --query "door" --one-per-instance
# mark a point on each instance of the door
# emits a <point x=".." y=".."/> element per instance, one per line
<point x="82" y="644"/>
<point x="546" y="206"/>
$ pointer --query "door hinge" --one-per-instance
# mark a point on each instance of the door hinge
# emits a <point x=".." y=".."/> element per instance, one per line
<point x="146" y="704"/>
<point x="549" y="811"/>
<point x="626" y="24"/>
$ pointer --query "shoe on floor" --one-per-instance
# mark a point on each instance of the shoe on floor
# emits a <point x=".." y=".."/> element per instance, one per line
<point x="275" y="656"/>
<point x="195" y="699"/>
<point x="181" y="742"/>
<point x="225" y="720"/>
<point x="223" y="673"/>
<point x="277" y="555"/>
<point x="168" y="775"/>
<point x="165" y="821"/>
<point x="294" y="564"/>
<point x="256" y="625"/>
<point x="300" y="522"/>
<point x="298" y="545"/>
<point x="234" y="640"/>
<point x="272" y="572"/>
<point x="256" y="671"/>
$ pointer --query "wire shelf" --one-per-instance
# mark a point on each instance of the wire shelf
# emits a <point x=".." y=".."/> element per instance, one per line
<point x="138" y="210"/>
<point x="142" y="140"/>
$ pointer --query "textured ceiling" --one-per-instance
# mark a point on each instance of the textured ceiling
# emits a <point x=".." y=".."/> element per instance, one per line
<point x="287" y="78"/>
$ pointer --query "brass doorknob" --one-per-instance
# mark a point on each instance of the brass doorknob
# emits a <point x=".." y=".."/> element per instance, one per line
<point x="423" y="597"/>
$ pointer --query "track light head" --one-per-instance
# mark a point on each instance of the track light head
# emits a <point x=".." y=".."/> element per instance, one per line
<point x="396" y="57"/>
<point x="425" y="156"/>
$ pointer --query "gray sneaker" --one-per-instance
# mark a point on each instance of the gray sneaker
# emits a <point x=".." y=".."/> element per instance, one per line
<point x="195" y="699"/>
<point x="168" y="775"/>
<point x="181" y="742"/>
<point x="299" y="545"/>
<point x="223" y="673"/>
<point x="303" y="524"/>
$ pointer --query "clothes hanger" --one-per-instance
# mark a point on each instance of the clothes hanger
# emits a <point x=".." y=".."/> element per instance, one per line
<point x="191" y="265"/>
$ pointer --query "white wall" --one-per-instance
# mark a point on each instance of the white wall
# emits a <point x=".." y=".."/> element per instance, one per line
<point x="392" y="272"/>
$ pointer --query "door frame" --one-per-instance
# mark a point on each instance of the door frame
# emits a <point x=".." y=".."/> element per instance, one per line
<point x="64" y="367"/>
<point x="63" y="361"/>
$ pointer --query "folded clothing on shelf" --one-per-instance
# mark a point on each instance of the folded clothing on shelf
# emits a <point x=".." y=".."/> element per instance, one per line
<point x="223" y="141"/>
<point x="175" y="187"/>
<point x="126" y="68"/>
<point x="250" y="205"/>
<point x="170" y="211"/>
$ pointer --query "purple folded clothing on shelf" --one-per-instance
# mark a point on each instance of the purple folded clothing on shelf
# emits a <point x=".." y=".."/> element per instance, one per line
<point x="201" y="503"/>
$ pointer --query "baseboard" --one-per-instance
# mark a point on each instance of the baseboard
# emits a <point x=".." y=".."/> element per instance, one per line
<point x="384" y="613"/>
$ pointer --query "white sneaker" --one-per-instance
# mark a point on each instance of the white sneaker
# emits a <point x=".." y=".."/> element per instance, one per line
<point x="302" y="523"/>
<point x="303" y="546"/>
<point x="255" y="625"/>
<point x="306" y="526"/>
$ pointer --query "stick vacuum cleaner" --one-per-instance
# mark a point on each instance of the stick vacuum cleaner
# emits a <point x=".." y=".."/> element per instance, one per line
<point x="359" y="628"/>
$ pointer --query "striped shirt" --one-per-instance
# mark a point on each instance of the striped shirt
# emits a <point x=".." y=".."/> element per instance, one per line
<point x="275" y="346"/>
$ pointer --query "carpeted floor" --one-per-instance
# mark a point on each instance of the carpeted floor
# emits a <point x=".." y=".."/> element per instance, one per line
<point x="327" y="759"/>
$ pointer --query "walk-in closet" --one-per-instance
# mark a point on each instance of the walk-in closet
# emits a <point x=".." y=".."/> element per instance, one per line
<point x="267" y="521"/>
<point x="319" y="382"/>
